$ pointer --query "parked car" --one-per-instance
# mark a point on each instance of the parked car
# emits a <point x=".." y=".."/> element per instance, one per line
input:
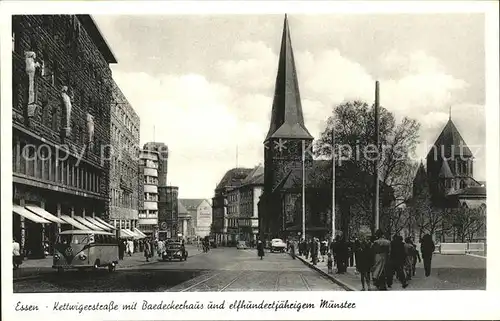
<point x="174" y="251"/>
<point x="242" y="245"/>
<point x="277" y="245"/>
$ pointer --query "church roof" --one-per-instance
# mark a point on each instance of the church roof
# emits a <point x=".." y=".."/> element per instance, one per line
<point x="450" y="143"/>
<point x="287" y="119"/>
<point x="445" y="170"/>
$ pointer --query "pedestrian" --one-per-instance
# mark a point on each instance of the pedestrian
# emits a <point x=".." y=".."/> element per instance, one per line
<point x="314" y="250"/>
<point x="364" y="261"/>
<point x="329" y="263"/>
<point x="333" y="246"/>
<point x="260" y="249"/>
<point x="16" y="254"/>
<point x="147" y="250"/>
<point x="350" y="247"/>
<point x="307" y="249"/>
<point x="323" y="249"/>
<point x="292" y="249"/>
<point x="397" y="261"/>
<point x="410" y="258"/>
<point x="427" y="248"/>
<point x="301" y="247"/>
<point x="417" y="257"/>
<point x="342" y="255"/>
<point x="381" y="249"/>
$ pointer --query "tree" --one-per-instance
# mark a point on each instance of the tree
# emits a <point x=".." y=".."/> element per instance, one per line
<point x="468" y="223"/>
<point x="354" y="125"/>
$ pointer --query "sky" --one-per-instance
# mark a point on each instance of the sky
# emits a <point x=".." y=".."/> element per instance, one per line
<point x="203" y="84"/>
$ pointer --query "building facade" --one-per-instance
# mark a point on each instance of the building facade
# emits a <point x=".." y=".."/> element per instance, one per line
<point x="62" y="92"/>
<point x="148" y="203"/>
<point x="124" y="169"/>
<point x="200" y="211"/>
<point x="169" y="210"/>
<point x="221" y="222"/>
<point x="250" y="192"/>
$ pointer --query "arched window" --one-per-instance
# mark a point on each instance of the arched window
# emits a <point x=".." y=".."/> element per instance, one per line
<point x="482" y="209"/>
<point x="462" y="184"/>
<point x="464" y="205"/>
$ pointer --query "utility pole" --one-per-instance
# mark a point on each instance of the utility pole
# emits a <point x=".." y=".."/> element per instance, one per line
<point x="304" y="189"/>
<point x="333" y="178"/>
<point x="376" y="214"/>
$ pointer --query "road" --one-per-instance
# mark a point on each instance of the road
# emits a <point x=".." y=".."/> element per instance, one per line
<point x="222" y="269"/>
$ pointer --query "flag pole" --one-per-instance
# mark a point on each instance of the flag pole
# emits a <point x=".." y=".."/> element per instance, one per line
<point x="333" y="178"/>
<point x="304" y="189"/>
<point x="377" y="160"/>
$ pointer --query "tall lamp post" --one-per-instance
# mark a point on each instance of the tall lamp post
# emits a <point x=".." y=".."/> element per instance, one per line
<point x="304" y="189"/>
<point x="333" y="178"/>
<point x="376" y="214"/>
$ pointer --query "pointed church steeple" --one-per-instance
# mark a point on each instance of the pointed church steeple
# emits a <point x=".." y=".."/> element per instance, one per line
<point x="450" y="143"/>
<point x="287" y="119"/>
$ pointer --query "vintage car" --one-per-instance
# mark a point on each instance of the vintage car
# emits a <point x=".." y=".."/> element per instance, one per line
<point x="174" y="251"/>
<point x="242" y="245"/>
<point x="277" y="245"/>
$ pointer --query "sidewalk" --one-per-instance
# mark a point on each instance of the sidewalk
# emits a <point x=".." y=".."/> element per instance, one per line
<point x="449" y="272"/>
<point x="34" y="268"/>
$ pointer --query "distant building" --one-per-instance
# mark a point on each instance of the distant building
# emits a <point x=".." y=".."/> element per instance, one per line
<point x="449" y="173"/>
<point x="221" y="221"/>
<point x="124" y="169"/>
<point x="200" y="211"/>
<point x="185" y="221"/>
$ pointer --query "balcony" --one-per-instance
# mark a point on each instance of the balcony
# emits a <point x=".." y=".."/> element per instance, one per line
<point x="153" y="189"/>
<point x="149" y="205"/>
<point x="150" y="172"/>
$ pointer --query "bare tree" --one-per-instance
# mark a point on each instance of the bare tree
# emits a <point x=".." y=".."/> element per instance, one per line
<point x="468" y="223"/>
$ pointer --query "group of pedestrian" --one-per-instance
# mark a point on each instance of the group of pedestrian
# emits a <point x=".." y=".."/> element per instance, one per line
<point x="386" y="259"/>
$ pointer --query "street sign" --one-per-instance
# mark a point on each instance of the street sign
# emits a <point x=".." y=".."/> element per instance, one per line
<point x="163" y="225"/>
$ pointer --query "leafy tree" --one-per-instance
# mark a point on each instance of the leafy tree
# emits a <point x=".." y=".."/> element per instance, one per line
<point x="354" y="125"/>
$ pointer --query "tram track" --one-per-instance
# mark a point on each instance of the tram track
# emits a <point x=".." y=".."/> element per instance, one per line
<point x="306" y="284"/>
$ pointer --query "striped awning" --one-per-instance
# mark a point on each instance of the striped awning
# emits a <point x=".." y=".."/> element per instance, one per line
<point x="126" y="233"/>
<point x="137" y="231"/>
<point x="73" y="222"/>
<point x="19" y="210"/>
<point x="43" y="213"/>
<point x="100" y="220"/>
<point x="82" y="220"/>
<point x="97" y="223"/>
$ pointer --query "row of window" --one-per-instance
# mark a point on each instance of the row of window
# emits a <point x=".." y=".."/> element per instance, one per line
<point x="125" y="224"/>
<point x="125" y="119"/>
<point x="122" y="168"/>
<point x="457" y="184"/>
<point x="122" y="199"/>
<point x="232" y="222"/>
<point x="150" y="180"/>
<point x="123" y="141"/>
<point x="41" y="164"/>
<point x="148" y="163"/>
<point x="148" y="214"/>
<point x="151" y="197"/>
<point x="233" y="197"/>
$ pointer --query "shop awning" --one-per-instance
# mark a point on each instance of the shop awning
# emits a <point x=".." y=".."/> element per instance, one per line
<point x="125" y="233"/>
<point x="19" y="210"/>
<point x="137" y="231"/>
<point x="74" y="223"/>
<point x="132" y="233"/>
<point x="82" y="220"/>
<point x="43" y="213"/>
<point x="97" y="223"/>
<point x="100" y="220"/>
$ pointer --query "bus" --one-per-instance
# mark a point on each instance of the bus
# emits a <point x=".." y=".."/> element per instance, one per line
<point x="85" y="249"/>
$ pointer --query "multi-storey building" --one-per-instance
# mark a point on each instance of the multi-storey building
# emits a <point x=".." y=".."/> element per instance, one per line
<point x="200" y="211"/>
<point x="169" y="210"/>
<point x="61" y="94"/>
<point x="220" y="202"/>
<point x="148" y="202"/>
<point x="124" y="171"/>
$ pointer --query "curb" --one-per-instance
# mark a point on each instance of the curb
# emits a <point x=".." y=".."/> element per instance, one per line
<point x="344" y="285"/>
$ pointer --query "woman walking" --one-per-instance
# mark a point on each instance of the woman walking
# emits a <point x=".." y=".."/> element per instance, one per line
<point x="427" y="248"/>
<point x="381" y="249"/>
<point x="409" y="258"/>
<point x="147" y="250"/>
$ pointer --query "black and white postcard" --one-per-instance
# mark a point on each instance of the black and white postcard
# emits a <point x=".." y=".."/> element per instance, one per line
<point x="249" y="160"/>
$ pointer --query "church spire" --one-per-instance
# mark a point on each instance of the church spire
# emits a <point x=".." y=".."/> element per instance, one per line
<point x="450" y="113"/>
<point x="287" y="119"/>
